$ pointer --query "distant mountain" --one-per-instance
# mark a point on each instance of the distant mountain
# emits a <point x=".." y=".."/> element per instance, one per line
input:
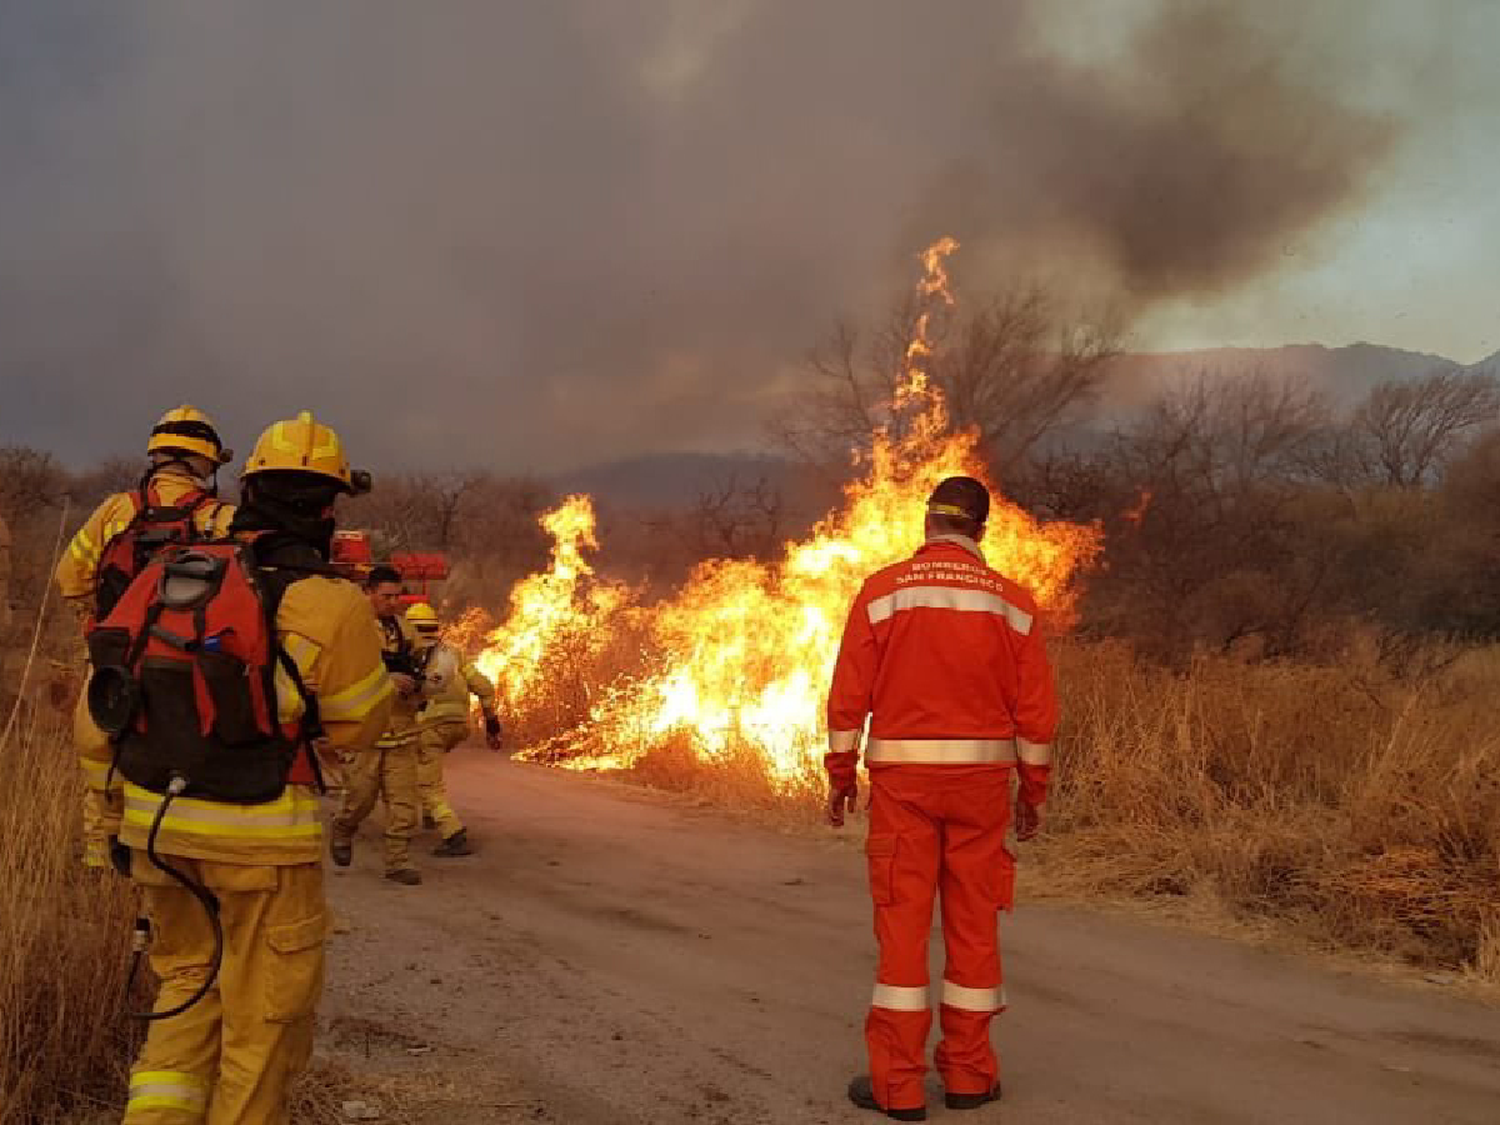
<point x="1488" y="366"/>
<point x="672" y="480"/>
<point x="1344" y="374"/>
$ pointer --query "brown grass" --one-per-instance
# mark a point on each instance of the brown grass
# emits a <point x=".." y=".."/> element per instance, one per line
<point x="1354" y="806"/>
<point x="66" y="1042"/>
<point x="64" y="940"/>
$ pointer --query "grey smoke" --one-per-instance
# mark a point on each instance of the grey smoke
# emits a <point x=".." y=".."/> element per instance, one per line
<point x="545" y="234"/>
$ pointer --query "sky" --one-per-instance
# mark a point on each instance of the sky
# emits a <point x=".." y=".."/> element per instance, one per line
<point x="530" y="236"/>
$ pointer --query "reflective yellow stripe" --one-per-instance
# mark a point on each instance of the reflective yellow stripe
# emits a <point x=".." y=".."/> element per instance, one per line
<point x="83" y="550"/>
<point x="303" y="652"/>
<point x="168" y="1089"/>
<point x="289" y="704"/>
<point x="293" y="815"/>
<point x="958" y="598"/>
<point x="96" y="770"/>
<point x="359" y="700"/>
<point x="895" y="998"/>
<point x="940" y="751"/>
<point x="280" y="439"/>
<point x="1034" y="753"/>
<point x="973" y="999"/>
<point x="842" y="741"/>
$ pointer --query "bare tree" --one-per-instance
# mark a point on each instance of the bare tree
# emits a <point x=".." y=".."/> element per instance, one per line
<point x="1013" y="369"/>
<point x="737" y="519"/>
<point x="30" y="480"/>
<point x="1404" y="432"/>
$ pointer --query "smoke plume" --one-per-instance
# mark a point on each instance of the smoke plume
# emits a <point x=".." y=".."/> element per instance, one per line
<point x="535" y="235"/>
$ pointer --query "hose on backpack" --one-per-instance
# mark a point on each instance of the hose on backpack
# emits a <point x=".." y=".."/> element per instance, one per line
<point x="204" y="896"/>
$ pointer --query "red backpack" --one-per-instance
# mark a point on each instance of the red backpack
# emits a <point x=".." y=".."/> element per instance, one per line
<point x="184" y="679"/>
<point x="152" y="529"/>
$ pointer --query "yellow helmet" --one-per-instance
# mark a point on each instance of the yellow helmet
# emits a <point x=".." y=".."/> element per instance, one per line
<point x="303" y="445"/>
<point x="189" y="429"/>
<point x="423" y="617"/>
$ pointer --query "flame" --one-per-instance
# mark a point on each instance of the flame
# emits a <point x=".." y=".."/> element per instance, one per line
<point x="556" y="609"/>
<point x="741" y="656"/>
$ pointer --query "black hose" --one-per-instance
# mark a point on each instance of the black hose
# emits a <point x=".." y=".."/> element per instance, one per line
<point x="206" y="897"/>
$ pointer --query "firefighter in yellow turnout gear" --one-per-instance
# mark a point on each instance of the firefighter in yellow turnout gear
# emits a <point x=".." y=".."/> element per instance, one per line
<point x="184" y="452"/>
<point x="389" y="768"/>
<point x="230" y="1059"/>
<point x="444" y="721"/>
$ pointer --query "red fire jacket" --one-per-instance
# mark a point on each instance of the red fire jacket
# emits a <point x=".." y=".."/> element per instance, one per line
<point x="945" y="656"/>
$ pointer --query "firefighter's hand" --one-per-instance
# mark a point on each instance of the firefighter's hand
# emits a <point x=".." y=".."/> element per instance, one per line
<point x="406" y="686"/>
<point x="843" y="797"/>
<point x="494" y="735"/>
<point x="1028" y="820"/>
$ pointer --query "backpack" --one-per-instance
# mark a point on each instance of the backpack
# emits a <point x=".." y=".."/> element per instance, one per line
<point x="185" y="673"/>
<point x="152" y="528"/>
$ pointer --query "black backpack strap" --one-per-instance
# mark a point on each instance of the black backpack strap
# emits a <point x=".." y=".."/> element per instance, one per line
<point x="311" y="723"/>
<point x="274" y="582"/>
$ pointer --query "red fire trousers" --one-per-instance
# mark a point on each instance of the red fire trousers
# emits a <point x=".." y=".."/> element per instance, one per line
<point x="931" y="828"/>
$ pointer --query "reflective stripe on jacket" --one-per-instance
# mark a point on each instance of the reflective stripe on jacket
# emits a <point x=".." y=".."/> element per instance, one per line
<point x="944" y="657"/>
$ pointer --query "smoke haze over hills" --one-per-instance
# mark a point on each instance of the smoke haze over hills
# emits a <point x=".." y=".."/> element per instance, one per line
<point x="536" y="236"/>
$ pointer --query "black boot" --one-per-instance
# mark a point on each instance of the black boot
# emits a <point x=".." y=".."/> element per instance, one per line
<point x="342" y="852"/>
<point x="862" y="1094"/>
<point x="456" y="844"/>
<point x="972" y="1101"/>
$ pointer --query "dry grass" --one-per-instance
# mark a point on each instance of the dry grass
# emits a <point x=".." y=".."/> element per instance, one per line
<point x="1355" y="807"/>
<point x="65" y="1043"/>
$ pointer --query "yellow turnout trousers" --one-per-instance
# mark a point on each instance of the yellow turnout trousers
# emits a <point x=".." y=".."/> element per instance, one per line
<point x="436" y="741"/>
<point x="391" y="770"/>
<point x="232" y="1057"/>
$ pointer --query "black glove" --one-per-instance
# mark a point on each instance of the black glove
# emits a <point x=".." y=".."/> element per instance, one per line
<point x="492" y="731"/>
<point x="119" y="856"/>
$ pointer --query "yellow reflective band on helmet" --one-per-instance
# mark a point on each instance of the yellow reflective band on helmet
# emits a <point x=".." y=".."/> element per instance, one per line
<point x="189" y="429"/>
<point x="279" y="439"/>
<point x="949" y="510"/>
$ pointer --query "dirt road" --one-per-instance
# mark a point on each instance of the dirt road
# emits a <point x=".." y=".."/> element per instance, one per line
<point x="613" y="957"/>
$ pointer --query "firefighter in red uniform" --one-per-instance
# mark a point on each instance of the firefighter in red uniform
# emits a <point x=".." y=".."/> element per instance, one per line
<point x="944" y="657"/>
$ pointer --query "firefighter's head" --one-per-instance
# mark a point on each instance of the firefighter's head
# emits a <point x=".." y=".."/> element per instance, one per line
<point x="958" y="506"/>
<point x="424" y="619"/>
<point x="186" y="436"/>
<point x="383" y="585"/>
<point x="295" y="473"/>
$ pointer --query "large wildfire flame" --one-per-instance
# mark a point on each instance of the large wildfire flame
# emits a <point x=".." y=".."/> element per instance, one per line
<point x="742" y="655"/>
